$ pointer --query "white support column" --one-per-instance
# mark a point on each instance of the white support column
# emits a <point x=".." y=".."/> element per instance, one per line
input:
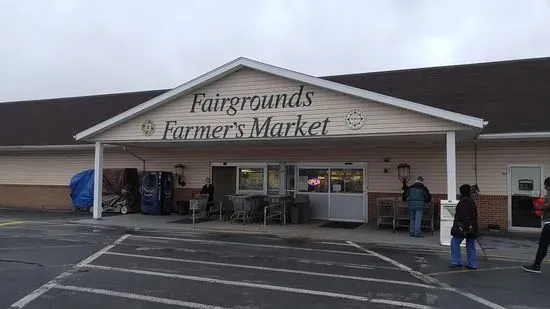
<point x="98" y="180"/>
<point x="451" y="166"/>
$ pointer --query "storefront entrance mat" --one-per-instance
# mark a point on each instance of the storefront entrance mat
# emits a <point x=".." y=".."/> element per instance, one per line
<point x="188" y="221"/>
<point x="342" y="225"/>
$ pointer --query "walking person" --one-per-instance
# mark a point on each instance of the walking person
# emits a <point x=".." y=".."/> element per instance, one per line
<point x="544" y="240"/>
<point x="208" y="189"/>
<point x="465" y="226"/>
<point x="417" y="196"/>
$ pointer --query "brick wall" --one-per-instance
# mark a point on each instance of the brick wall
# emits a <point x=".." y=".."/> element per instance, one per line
<point x="57" y="197"/>
<point x="35" y="197"/>
<point x="492" y="209"/>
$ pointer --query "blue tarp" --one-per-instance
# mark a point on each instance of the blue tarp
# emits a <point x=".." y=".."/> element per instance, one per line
<point x="81" y="189"/>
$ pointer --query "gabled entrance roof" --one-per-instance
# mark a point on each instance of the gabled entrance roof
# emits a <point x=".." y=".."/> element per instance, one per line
<point x="240" y="63"/>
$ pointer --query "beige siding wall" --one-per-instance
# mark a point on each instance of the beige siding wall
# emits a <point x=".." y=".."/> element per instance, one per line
<point x="493" y="158"/>
<point x="380" y="118"/>
<point x="54" y="168"/>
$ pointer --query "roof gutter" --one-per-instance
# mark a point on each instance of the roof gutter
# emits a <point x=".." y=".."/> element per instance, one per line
<point x="519" y="135"/>
<point x="52" y="147"/>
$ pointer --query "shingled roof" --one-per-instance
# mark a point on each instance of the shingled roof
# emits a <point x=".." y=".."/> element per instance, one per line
<point x="513" y="96"/>
<point x="56" y="121"/>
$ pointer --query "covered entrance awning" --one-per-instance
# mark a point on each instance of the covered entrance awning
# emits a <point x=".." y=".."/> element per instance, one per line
<point x="317" y="155"/>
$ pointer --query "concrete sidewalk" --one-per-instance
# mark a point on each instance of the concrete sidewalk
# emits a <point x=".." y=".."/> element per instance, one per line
<point x="366" y="233"/>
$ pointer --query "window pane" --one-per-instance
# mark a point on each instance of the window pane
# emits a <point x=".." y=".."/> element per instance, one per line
<point x="290" y="181"/>
<point x="313" y="180"/>
<point x="346" y="180"/>
<point x="273" y="177"/>
<point x="251" y="178"/>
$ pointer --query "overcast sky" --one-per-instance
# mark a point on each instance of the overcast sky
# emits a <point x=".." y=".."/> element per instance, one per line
<point x="60" y="48"/>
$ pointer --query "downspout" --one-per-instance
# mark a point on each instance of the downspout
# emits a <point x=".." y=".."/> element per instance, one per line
<point x="475" y="187"/>
<point x="475" y="160"/>
<point x="134" y="155"/>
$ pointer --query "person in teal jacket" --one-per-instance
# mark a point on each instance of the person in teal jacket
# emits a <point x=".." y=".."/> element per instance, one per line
<point x="417" y="196"/>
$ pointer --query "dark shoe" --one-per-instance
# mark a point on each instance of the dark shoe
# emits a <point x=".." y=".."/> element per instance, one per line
<point x="418" y="235"/>
<point x="532" y="268"/>
<point x="455" y="266"/>
<point x="470" y="267"/>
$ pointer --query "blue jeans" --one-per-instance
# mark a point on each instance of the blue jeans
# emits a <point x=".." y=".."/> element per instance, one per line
<point x="416" y="219"/>
<point x="456" y="257"/>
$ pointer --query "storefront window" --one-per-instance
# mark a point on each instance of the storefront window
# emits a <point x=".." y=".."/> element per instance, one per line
<point x="251" y="179"/>
<point x="273" y="177"/>
<point x="346" y="180"/>
<point x="313" y="180"/>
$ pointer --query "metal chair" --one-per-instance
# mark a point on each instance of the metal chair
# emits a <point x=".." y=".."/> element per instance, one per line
<point x="242" y="208"/>
<point x="385" y="208"/>
<point x="402" y="216"/>
<point x="427" y="220"/>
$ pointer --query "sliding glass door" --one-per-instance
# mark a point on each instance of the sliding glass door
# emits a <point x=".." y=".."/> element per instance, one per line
<point x="314" y="181"/>
<point x="336" y="191"/>
<point x="347" y="194"/>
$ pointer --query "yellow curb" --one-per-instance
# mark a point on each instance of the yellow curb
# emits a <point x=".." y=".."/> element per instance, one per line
<point x="11" y="223"/>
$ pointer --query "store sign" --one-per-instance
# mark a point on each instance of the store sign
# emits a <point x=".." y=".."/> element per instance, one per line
<point x="257" y="127"/>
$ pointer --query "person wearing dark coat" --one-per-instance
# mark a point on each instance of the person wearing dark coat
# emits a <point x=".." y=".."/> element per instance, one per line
<point x="544" y="239"/>
<point x="417" y="196"/>
<point x="465" y="226"/>
<point x="208" y="188"/>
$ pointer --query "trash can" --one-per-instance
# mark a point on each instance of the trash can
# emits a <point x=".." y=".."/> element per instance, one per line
<point x="182" y="207"/>
<point x="295" y="214"/>
<point x="302" y="201"/>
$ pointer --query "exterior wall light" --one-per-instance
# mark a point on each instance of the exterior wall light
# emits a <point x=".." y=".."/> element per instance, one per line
<point x="179" y="174"/>
<point x="404" y="173"/>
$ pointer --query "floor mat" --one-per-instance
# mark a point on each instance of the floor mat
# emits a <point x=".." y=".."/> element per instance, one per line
<point x="342" y="225"/>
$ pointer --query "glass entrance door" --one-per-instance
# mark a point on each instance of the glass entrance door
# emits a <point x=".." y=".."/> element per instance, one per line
<point x="346" y="194"/>
<point x="335" y="192"/>
<point x="525" y="186"/>
<point x="314" y="181"/>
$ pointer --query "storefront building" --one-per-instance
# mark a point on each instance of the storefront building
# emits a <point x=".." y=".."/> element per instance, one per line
<point x="257" y="128"/>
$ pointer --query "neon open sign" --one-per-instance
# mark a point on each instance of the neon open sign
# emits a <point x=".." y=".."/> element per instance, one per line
<point x="314" y="182"/>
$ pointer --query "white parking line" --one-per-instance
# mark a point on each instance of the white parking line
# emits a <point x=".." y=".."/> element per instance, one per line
<point x="229" y="282"/>
<point x="334" y="243"/>
<point x="46" y="287"/>
<point x="430" y="279"/>
<point x="400" y="304"/>
<point x="166" y="301"/>
<point x="261" y="286"/>
<point x="414" y="273"/>
<point x="282" y="270"/>
<point x="217" y="242"/>
<point x="335" y="264"/>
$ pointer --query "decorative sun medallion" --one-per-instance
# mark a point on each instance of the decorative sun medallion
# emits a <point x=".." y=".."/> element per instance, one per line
<point x="355" y="119"/>
<point x="148" y="128"/>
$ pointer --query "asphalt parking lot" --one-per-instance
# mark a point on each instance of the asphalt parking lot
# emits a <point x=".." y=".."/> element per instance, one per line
<point x="61" y="265"/>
